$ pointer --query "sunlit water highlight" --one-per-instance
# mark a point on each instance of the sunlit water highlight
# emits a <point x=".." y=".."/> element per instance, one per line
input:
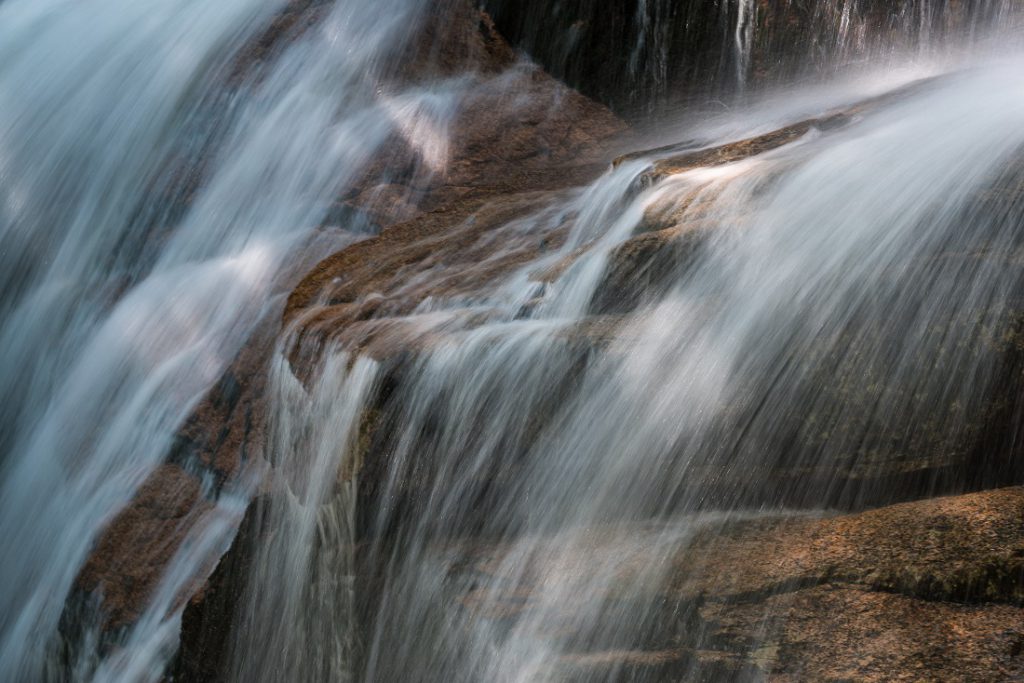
<point x="866" y="250"/>
<point x="120" y="312"/>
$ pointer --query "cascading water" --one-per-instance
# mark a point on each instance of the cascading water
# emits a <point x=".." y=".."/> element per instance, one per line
<point x="745" y="10"/>
<point x="549" y="447"/>
<point x="697" y="52"/>
<point x="121" y="308"/>
<point x="860" y="249"/>
<point x="294" y="630"/>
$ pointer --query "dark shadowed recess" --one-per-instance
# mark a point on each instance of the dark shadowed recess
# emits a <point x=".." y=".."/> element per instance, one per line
<point x="643" y="56"/>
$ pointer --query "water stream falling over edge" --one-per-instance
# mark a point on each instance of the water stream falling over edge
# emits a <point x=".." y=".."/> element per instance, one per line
<point x="571" y="463"/>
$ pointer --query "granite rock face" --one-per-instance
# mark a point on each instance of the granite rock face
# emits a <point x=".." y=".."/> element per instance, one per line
<point x="639" y="56"/>
<point x="930" y="590"/>
<point x="519" y="137"/>
<point x="926" y="590"/>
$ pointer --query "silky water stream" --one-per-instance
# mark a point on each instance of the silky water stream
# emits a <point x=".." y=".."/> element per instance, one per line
<point x="744" y="326"/>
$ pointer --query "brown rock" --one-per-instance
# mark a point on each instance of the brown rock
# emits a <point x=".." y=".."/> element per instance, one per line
<point x="455" y="37"/>
<point x="519" y="142"/>
<point x="836" y="633"/>
<point x="128" y="561"/>
<point x="966" y="548"/>
<point x="517" y="150"/>
<point x="931" y="590"/>
<point x="209" y="616"/>
<point x="643" y="267"/>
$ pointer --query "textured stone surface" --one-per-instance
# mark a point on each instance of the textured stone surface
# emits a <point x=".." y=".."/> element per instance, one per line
<point x="931" y="590"/>
<point x="928" y="590"/>
<point x="129" y="559"/>
<point x="520" y="138"/>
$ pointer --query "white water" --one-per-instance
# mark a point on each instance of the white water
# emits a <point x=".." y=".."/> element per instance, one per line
<point x="294" y="630"/>
<point x="818" y="245"/>
<point x="744" y="39"/>
<point x="119" y="314"/>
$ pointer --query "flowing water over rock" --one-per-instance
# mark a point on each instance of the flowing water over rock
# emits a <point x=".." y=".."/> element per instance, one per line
<point x="509" y="437"/>
<point x="641" y="55"/>
<point x="817" y="334"/>
<point x="121" y="307"/>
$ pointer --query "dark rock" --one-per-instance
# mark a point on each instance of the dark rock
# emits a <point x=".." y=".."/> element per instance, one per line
<point x="208" y="622"/>
<point x="641" y="56"/>
<point x="128" y="560"/>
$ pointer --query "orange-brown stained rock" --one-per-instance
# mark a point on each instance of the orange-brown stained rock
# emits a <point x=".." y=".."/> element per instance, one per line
<point x="224" y="435"/>
<point x="516" y="146"/>
<point x="838" y="633"/>
<point x="968" y="547"/>
<point x="455" y="37"/>
<point x="739" y="150"/>
<point x="512" y="149"/>
<point x="930" y="590"/>
<point x="128" y="561"/>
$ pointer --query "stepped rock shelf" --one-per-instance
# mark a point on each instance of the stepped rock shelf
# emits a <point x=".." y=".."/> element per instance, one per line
<point x="899" y="556"/>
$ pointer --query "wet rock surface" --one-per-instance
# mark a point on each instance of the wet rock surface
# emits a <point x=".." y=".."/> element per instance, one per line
<point x="906" y="585"/>
<point x="521" y="138"/>
<point x="926" y="590"/>
<point x="129" y="559"/>
<point x="210" y="617"/>
<point x="363" y="298"/>
<point x="509" y="158"/>
<point x="931" y="590"/>
<point x="637" y="56"/>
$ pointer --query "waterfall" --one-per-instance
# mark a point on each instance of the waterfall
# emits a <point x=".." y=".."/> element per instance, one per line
<point x="745" y="20"/>
<point x="681" y="53"/>
<point x="120" y="310"/>
<point x="741" y="327"/>
<point x="291" y="628"/>
<point x="864" y="247"/>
